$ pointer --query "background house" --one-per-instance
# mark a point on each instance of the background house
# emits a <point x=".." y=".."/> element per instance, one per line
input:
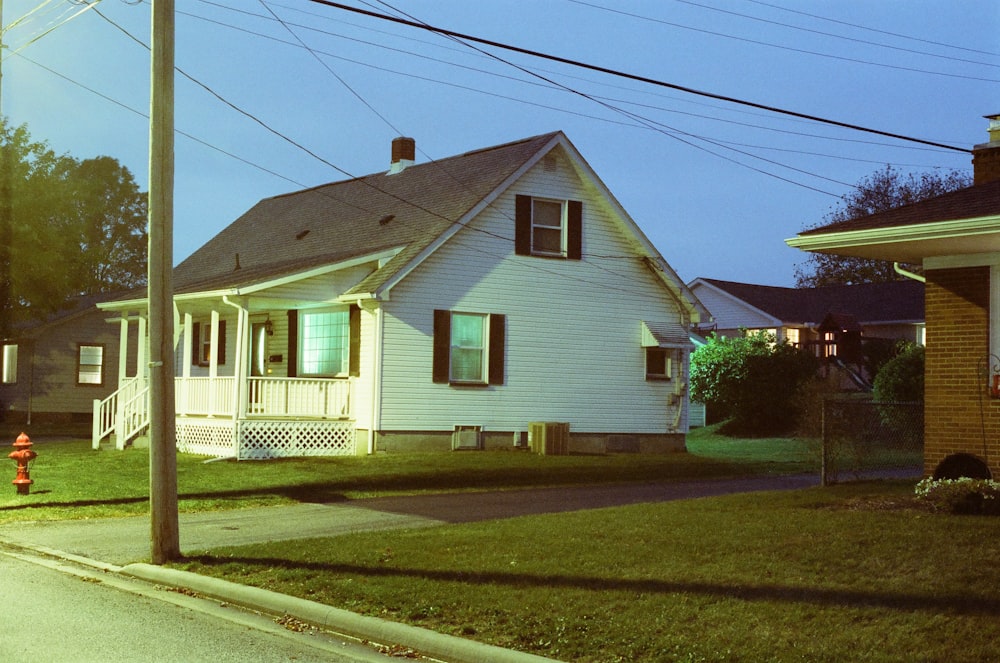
<point x="956" y="238"/>
<point x="53" y="370"/>
<point x="433" y="306"/>
<point x="847" y="324"/>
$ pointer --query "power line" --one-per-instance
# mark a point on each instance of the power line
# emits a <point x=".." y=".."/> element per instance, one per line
<point x="876" y="30"/>
<point x="635" y="77"/>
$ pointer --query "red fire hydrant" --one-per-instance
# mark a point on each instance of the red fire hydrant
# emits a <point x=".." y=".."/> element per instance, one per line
<point x="22" y="455"/>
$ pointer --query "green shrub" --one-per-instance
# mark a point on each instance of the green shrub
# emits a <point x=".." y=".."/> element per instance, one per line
<point x="901" y="379"/>
<point x="753" y="379"/>
<point x="961" y="496"/>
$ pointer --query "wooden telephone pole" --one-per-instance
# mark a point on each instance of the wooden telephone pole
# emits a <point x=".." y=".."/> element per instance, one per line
<point x="164" y="538"/>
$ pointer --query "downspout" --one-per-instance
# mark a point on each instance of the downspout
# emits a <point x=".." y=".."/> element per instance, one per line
<point x="376" y="418"/>
<point x="239" y="370"/>
<point x="908" y="274"/>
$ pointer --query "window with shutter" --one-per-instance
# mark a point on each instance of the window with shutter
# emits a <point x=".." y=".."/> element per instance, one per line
<point x="548" y="227"/>
<point x="469" y="348"/>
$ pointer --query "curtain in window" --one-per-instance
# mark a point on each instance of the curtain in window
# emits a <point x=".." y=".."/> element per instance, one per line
<point x="467" y="346"/>
<point x="325" y="342"/>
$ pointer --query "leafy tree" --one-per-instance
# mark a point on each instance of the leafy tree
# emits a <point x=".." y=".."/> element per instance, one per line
<point x="882" y="190"/>
<point x="71" y="228"/>
<point x="752" y="379"/>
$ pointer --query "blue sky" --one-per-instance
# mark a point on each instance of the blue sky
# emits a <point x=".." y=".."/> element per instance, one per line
<point x="687" y="168"/>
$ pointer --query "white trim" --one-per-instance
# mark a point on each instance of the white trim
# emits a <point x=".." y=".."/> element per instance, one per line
<point x="918" y="232"/>
<point x="951" y="262"/>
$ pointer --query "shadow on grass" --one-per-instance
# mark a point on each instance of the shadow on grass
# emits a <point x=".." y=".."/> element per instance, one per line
<point x="955" y="604"/>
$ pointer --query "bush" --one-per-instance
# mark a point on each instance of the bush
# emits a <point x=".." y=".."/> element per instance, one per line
<point x="961" y="496"/>
<point x="752" y="379"/>
<point x="901" y="379"/>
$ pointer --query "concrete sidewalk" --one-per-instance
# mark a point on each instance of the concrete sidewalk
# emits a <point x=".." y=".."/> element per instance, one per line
<point x="119" y="545"/>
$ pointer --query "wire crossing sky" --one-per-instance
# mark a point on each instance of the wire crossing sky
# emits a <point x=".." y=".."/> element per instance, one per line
<point x="285" y="94"/>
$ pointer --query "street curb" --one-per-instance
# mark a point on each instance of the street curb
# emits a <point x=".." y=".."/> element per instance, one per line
<point x="430" y="643"/>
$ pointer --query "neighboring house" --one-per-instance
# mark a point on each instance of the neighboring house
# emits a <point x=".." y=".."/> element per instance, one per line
<point x="53" y="370"/>
<point x="846" y="324"/>
<point x="956" y="238"/>
<point x="434" y="306"/>
<point x="697" y="414"/>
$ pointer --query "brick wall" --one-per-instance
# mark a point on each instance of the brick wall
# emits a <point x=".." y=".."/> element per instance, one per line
<point x="957" y="405"/>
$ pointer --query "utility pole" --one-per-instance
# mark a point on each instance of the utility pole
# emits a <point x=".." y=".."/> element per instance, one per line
<point x="164" y="539"/>
<point x="6" y="213"/>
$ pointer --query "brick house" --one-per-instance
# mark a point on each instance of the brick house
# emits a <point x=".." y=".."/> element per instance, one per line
<point x="955" y="237"/>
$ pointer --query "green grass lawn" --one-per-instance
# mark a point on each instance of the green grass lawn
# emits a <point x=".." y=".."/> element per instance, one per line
<point x="851" y="573"/>
<point x="74" y="481"/>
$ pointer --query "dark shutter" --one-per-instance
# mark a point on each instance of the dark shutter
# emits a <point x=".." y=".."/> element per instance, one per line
<point x="442" y="346"/>
<point x="196" y="344"/>
<point x="354" y="347"/>
<point x="497" y="336"/>
<point x="522" y="225"/>
<point x="222" y="342"/>
<point x="293" y="343"/>
<point x="574" y="230"/>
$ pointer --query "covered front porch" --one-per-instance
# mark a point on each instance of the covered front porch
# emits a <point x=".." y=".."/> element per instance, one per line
<point x="252" y="380"/>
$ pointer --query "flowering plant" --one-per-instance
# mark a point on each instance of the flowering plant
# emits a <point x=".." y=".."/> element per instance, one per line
<point x="963" y="495"/>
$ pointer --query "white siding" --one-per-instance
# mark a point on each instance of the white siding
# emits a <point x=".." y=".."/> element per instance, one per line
<point x="730" y="313"/>
<point x="573" y="327"/>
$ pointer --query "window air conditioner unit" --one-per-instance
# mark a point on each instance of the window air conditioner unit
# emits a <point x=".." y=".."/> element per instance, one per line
<point x="549" y="438"/>
<point x="467" y="437"/>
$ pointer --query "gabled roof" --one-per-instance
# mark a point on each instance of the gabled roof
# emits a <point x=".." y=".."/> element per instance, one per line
<point x="335" y="222"/>
<point x="397" y="219"/>
<point x="869" y="303"/>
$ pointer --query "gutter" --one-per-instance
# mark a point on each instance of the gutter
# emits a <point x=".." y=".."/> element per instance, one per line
<point x="908" y="274"/>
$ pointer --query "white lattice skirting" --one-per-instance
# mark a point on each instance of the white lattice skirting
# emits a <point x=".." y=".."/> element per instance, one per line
<point x="267" y="439"/>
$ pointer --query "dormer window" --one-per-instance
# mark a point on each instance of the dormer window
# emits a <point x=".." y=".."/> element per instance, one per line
<point x="548" y="227"/>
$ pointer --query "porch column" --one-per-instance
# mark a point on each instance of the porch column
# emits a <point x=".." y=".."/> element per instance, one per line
<point x="123" y="349"/>
<point x="183" y="404"/>
<point x="213" y="362"/>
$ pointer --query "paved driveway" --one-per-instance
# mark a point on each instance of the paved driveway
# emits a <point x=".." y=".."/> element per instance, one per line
<point x="121" y="541"/>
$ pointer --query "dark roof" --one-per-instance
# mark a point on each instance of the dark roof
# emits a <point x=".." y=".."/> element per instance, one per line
<point x="334" y="222"/>
<point x="968" y="203"/>
<point x="894" y="301"/>
<point x="72" y="308"/>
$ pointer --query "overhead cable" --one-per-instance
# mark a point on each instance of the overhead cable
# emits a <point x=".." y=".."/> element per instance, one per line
<point x="634" y="77"/>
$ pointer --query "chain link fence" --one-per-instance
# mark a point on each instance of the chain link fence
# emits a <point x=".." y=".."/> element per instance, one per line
<point x="863" y="438"/>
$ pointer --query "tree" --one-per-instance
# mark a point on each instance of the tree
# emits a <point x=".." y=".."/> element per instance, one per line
<point x="75" y="228"/>
<point x="882" y="190"/>
<point x="752" y="379"/>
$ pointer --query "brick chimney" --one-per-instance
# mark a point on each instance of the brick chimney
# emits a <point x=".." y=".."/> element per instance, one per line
<point x="404" y="152"/>
<point x="986" y="156"/>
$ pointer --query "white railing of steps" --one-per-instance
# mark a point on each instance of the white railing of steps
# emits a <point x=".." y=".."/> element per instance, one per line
<point x="125" y="413"/>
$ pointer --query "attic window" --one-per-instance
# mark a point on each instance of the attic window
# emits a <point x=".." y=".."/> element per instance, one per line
<point x="301" y="234"/>
<point x="548" y="227"/>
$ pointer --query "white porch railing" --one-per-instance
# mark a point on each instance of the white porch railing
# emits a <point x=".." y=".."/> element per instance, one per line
<point x="124" y="413"/>
<point x="266" y="397"/>
<point x="299" y="397"/>
<point x="204" y="397"/>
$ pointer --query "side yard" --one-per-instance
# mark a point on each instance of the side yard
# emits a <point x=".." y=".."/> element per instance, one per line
<point x="856" y="572"/>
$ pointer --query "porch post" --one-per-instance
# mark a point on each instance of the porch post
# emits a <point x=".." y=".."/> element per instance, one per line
<point x="213" y="362"/>
<point x="183" y="404"/>
<point x="123" y="349"/>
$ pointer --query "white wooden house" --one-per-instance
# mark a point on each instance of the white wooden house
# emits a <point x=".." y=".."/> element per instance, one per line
<point x="433" y="306"/>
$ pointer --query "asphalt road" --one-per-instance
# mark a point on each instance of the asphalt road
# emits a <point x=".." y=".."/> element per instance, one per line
<point x="57" y="613"/>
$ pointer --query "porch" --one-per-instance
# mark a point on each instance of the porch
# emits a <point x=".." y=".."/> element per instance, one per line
<point x="259" y="417"/>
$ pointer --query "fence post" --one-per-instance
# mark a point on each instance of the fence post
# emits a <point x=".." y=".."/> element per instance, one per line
<point x="823" y="443"/>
